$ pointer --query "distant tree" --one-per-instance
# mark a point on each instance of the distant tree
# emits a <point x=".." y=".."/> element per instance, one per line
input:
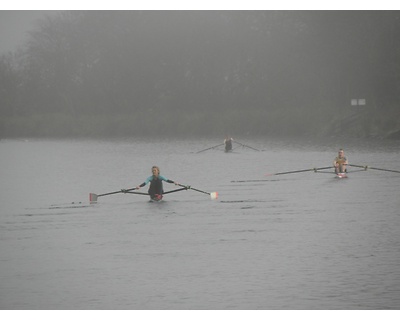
<point x="8" y="85"/>
<point x="255" y="71"/>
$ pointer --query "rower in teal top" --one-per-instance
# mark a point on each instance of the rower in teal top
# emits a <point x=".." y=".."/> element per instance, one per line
<point x="156" y="187"/>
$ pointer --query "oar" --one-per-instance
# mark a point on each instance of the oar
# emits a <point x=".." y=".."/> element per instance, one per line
<point x="93" y="197"/>
<point x="146" y="194"/>
<point x="213" y="195"/>
<point x="297" y="171"/>
<point x="176" y="190"/>
<point x="280" y="173"/>
<point x="140" y="193"/>
<point x="218" y="145"/>
<point x="372" y="168"/>
<point x="246" y="145"/>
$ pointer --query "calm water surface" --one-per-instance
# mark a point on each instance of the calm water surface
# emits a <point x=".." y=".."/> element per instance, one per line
<point x="297" y="241"/>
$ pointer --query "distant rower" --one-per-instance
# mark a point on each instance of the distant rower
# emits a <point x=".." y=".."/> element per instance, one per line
<point x="340" y="163"/>
<point x="228" y="144"/>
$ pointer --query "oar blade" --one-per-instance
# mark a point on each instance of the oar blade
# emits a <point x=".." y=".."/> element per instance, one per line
<point x="93" y="197"/>
<point x="214" y="195"/>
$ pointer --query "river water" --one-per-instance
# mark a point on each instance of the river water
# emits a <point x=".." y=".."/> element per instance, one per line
<point x="297" y="241"/>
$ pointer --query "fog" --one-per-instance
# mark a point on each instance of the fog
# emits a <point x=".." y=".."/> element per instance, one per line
<point x="202" y="73"/>
<point x="14" y="27"/>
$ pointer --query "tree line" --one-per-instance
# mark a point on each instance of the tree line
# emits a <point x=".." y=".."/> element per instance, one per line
<point x="123" y="73"/>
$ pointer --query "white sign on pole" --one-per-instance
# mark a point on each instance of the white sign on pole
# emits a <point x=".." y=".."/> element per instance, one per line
<point x="358" y="102"/>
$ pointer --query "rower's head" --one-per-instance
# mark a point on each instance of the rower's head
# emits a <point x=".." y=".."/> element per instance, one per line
<point x="155" y="170"/>
<point x="341" y="153"/>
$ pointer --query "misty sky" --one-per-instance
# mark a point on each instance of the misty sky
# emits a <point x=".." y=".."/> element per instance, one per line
<point x="16" y="21"/>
